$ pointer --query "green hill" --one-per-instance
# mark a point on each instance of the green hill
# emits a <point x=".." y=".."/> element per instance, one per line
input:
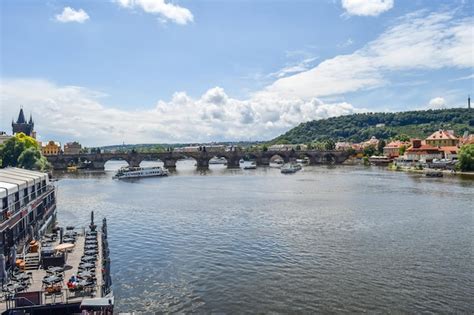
<point x="360" y="127"/>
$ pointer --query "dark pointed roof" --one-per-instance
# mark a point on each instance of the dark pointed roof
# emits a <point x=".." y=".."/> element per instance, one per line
<point x="21" y="117"/>
<point x="31" y="119"/>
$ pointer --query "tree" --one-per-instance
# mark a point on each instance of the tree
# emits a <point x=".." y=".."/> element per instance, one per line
<point x="380" y="146"/>
<point x="466" y="158"/>
<point x="22" y="151"/>
<point x="402" y="149"/>
<point x="329" y="144"/>
<point x="30" y="159"/>
<point x="264" y="148"/>
<point x="369" y="150"/>
<point x="402" y="137"/>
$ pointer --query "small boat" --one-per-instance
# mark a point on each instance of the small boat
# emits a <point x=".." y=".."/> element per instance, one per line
<point x="379" y="160"/>
<point x="215" y="161"/>
<point x="277" y="163"/>
<point x="304" y="161"/>
<point x="138" y="172"/>
<point x="433" y="173"/>
<point x="290" y="168"/>
<point x="249" y="165"/>
<point x="72" y="168"/>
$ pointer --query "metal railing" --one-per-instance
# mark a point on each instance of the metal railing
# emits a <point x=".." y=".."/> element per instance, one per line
<point x="16" y="205"/>
<point x="63" y="296"/>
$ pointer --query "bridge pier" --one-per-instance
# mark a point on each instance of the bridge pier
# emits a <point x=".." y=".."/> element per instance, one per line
<point x="233" y="162"/>
<point x="202" y="162"/>
<point x="170" y="163"/>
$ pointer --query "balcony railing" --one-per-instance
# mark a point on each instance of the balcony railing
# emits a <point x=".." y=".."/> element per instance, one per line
<point x="13" y="208"/>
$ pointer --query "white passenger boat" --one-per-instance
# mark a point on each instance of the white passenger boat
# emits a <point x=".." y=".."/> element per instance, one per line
<point x="221" y="161"/>
<point x="138" y="172"/>
<point x="249" y="165"/>
<point x="290" y="168"/>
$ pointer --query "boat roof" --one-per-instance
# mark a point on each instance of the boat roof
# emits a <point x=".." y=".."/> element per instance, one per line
<point x="19" y="178"/>
<point x="7" y="189"/>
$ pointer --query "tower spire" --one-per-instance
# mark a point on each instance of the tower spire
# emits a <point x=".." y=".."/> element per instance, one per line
<point x="469" y="101"/>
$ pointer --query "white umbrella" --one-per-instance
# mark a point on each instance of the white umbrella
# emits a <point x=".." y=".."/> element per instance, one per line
<point x="64" y="246"/>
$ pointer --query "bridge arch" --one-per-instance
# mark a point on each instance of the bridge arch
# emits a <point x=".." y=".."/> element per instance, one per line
<point x="115" y="163"/>
<point x="329" y="158"/>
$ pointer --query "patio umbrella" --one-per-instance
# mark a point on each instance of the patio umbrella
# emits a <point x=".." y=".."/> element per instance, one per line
<point x="64" y="246"/>
<point x="3" y="272"/>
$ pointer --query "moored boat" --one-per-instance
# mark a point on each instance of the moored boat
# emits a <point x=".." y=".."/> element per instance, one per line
<point x="138" y="172"/>
<point x="249" y="165"/>
<point x="220" y="161"/>
<point x="290" y="168"/>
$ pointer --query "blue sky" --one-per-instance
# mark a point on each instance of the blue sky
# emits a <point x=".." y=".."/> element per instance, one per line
<point x="104" y="72"/>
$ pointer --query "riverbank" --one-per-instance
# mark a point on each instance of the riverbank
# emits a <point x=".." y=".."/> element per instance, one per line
<point x="413" y="169"/>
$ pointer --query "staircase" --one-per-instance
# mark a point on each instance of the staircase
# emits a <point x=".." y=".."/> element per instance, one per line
<point x="32" y="261"/>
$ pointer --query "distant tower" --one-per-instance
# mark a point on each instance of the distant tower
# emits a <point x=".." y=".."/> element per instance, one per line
<point x="22" y="126"/>
<point x="469" y="101"/>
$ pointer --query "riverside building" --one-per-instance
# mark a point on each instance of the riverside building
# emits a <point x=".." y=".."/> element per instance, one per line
<point x="28" y="204"/>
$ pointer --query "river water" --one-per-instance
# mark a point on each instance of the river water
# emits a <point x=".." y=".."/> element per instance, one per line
<point x="327" y="239"/>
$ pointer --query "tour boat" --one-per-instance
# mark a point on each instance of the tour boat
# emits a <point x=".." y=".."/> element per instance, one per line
<point x="138" y="172"/>
<point x="290" y="168"/>
<point x="249" y="165"/>
<point x="220" y="160"/>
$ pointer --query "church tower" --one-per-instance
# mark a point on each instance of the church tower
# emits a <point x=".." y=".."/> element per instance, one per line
<point x="22" y="126"/>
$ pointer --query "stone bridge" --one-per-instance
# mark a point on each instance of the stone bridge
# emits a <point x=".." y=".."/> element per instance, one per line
<point x="98" y="160"/>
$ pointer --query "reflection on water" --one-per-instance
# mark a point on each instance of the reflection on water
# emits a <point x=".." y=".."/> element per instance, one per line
<point x="340" y="239"/>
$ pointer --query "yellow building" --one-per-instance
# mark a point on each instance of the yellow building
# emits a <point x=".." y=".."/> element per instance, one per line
<point x="51" y="148"/>
<point x="442" y="138"/>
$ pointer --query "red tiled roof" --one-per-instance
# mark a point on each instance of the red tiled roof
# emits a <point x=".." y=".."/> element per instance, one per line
<point x="451" y="149"/>
<point x="442" y="135"/>
<point x="423" y="147"/>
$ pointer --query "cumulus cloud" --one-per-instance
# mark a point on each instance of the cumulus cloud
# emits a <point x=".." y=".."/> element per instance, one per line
<point x="71" y="15"/>
<point x="437" y="103"/>
<point x="418" y="41"/>
<point x="75" y="113"/>
<point x="166" y="11"/>
<point x="366" y="7"/>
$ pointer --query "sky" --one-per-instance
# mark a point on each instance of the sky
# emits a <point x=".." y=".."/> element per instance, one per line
<point x="156" y="71"/>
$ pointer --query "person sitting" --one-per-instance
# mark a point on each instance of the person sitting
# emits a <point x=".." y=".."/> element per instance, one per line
<point x="72" y="283"/>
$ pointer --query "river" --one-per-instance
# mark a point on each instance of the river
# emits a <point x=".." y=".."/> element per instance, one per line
<point x="339" y="239"/>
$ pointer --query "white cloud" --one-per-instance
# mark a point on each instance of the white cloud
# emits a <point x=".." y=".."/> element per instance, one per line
<point x="75" y="113"/>
<point x="467" y="77"/>
<point x="419" y="41"/>
<point x="366" y="7"/>
<point x="71" y="15"/>
<point x="290" y="69"/>
<point x="347" y="43"/>
<point x="437" y="103"/>
<point x="166" y="11"/>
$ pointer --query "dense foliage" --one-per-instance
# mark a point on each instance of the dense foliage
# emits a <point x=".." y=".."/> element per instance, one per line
<point x="22" y="151"/>
<point x="466" y="158"/>
<point x="360" y="127"/>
